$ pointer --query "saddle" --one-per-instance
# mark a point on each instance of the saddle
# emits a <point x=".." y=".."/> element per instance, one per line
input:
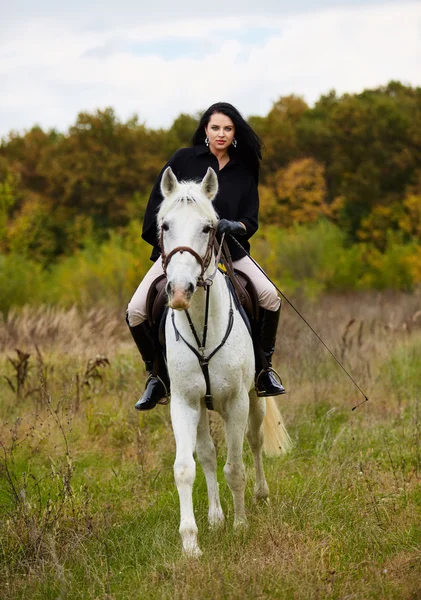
<point x="242" y="288"/>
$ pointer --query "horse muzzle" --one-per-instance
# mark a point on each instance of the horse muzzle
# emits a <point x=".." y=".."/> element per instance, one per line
<point x="179" y="297"/>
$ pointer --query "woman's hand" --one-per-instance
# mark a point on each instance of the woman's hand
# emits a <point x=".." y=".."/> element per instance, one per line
<point x="226" y="226"/>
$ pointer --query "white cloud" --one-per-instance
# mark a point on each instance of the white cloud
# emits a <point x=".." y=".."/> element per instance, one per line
<point x="50" y="72"/>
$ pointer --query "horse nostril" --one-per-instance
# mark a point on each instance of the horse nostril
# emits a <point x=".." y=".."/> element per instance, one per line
<point x="190" y="288"/>
<point x="168" y="288"/>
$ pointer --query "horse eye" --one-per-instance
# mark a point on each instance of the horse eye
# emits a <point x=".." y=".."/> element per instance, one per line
<point x="206" y="229"/>
<point x="165" y="226"/>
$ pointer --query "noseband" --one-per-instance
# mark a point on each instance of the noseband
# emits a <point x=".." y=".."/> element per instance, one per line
<point x="203" y="262"/>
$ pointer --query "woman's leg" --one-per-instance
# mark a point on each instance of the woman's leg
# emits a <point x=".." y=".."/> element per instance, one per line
<point x="157" y="386"/>
<point x="136" y="310"/>
<point x="267" y="383"/>
<point x="266" y="291"/>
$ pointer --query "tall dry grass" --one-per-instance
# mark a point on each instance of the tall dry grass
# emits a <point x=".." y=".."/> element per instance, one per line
<point x="64" y="330"/>
<point x="362" y="330"/>
<point x="87" y="498"/>
<point x="380" y="315"/>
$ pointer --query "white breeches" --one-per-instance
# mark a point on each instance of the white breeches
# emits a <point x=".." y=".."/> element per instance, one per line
<point x="268" y="297"/>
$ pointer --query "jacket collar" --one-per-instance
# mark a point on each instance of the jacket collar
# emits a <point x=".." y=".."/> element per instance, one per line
<point x="203" y="149"/>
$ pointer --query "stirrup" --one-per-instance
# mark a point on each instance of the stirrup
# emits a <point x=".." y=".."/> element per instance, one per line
<point x="152" y="397"/>
<point x="264" y="393"/>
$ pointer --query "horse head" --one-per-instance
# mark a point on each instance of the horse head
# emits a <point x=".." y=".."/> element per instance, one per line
<point x="187" y="224"/>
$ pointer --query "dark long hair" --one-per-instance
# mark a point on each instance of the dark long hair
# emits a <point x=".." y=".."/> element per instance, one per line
<point x="249" y="145"/>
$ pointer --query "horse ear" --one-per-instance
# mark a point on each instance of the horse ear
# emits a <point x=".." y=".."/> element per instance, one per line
<point x="210" y="184"/>
<point x="169" y="182"/>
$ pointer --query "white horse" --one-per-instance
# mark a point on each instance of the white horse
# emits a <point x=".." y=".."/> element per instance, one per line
<point x="186" y="223"/>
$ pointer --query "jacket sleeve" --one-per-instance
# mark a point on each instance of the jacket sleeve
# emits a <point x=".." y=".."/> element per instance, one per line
<point x="249" y="212"/>
<point x="149" y="230"/>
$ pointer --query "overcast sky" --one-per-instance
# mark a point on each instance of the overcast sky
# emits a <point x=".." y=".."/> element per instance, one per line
<point x="159" y="58"/>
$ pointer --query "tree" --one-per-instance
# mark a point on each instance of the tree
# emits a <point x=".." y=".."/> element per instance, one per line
<point x="368" y="143"/>
<point x="280" y="134"/>
<point x="8" y="196"/>
<point x="180" y="133"/>
<point x="99" y="167"/>
<point x="301" y="193"/>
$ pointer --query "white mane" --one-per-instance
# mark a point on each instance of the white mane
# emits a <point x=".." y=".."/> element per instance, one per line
<point x="188" y="193"/>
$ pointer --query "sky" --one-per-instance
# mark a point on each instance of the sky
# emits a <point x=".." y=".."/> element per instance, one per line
<point x="160" y="58"/>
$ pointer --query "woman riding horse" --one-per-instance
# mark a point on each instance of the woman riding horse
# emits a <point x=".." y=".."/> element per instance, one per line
<point x="224" y="141"/>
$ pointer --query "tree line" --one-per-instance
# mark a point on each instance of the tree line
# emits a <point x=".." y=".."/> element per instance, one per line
<point x="353" y="160"/>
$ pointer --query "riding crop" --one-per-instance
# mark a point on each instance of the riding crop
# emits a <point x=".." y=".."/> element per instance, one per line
<point x="307" y="323"/>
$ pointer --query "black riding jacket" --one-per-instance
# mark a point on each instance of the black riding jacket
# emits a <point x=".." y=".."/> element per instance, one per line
<point x="237" y="198"/>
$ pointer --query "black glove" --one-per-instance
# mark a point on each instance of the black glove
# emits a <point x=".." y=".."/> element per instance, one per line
<point x="226" y="226"/>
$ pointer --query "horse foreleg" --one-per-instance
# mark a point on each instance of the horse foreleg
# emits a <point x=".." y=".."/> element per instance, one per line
<point x="255" y="440"/>
<point x="206" y="454"/>
<point x="235" y="424"/>
<point x="185" y="420"/>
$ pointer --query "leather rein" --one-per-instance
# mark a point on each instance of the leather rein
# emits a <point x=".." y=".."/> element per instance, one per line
<point x="204" y="263"/>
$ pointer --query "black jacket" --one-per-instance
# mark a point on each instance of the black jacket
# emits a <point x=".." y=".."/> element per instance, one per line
<point x="237" y="197"/>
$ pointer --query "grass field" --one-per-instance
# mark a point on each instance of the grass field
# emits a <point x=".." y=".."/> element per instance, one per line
<point x="88" y="504"/>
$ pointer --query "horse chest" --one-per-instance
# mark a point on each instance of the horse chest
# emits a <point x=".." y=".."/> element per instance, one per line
<point x="229" y="368"/>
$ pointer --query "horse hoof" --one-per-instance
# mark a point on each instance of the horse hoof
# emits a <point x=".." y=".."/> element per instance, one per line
<point x="216" y="519"/>
<point x="193" y="552"/>
<point x="261" y="500"/>
<point x="240" y="523"/>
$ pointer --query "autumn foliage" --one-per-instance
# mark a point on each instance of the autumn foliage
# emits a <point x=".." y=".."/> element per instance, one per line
<point x="349" y="167"/>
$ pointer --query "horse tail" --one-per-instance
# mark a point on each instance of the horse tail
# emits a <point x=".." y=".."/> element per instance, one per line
<point x="276" y="438"/>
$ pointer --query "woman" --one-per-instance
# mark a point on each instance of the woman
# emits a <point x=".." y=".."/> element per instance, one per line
<point x="224" y="141"/>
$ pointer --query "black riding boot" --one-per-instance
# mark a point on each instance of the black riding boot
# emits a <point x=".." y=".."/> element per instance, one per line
<point x="158" y="384"/>
<point x="268" y="382"/>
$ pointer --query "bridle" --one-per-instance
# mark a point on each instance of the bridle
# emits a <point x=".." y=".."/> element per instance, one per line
<point x="203" y="262"/>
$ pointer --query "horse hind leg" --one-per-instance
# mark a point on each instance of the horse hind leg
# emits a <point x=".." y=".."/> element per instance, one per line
<point x="205" y="449"/>
<point x="235" y="419"/>
<point x="185" y="422"/>
<point x="255" y="439"/>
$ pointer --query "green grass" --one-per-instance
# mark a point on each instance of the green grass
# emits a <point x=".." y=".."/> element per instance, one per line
<point x="96" y="512"/>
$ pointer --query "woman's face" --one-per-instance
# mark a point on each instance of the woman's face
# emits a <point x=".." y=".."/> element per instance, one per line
<point x="220" y="131"/>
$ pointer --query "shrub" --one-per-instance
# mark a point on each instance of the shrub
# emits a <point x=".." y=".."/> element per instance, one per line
<point x="316" y="258"/>
<point x="105" y="274"/>
<point x="21" y="281"/>
<point x="303" y="257"/>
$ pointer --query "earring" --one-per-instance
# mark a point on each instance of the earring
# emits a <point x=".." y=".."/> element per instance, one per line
<point x="207" y="141"/>
<point x="234" y="143"/>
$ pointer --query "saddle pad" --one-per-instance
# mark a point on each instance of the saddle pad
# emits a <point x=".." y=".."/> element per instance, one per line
<point x="250" y="300"/>
<point x="156" y="301"/>
<point x="240" y="308"/>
